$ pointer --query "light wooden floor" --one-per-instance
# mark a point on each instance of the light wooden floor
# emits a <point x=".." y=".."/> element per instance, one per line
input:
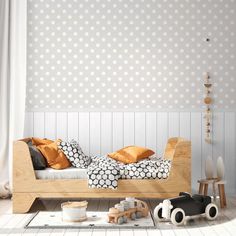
<point x="13" y="224"/>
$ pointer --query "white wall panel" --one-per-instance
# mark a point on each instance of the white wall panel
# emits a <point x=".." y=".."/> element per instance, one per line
<point x="140" y="129"/>
<point x="230" y="151"/>
<point x="50" y="125"/>
<point x="104" y="132"/>
<point x="38" y="119"/>
<point x="173" y="126"/>
<point x="84" y="131"/>
<point x="73" y="125"/>
<point x="196" y="138"/>
<point x="62" y="125"/>
<point x="218" y="135"/>
<point x="29" y="124"/>
<point x="95" y="132"/>
<point x="129" y="128"/>
<point x="185" y="125"/>
<point x="162" y="132"/>
<point x="118" y="130"/>
<point x="151" y="130"/>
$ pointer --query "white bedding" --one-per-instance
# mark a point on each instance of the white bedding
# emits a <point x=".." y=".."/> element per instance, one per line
<point x="68" y="173"/>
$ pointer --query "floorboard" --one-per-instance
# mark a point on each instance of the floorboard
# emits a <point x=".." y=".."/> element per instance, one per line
<point x="13" y="224"/>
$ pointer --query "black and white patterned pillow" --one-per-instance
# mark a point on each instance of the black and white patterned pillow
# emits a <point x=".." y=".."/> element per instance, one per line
<point x="74" y="154"/>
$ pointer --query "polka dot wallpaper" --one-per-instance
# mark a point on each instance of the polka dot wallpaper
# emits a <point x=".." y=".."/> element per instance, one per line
<point x="130" y="54"/>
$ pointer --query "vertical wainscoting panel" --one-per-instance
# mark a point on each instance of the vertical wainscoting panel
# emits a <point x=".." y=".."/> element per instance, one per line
<point x="94" y="134"/>
<point x="50" y="125"/>
<point x="73" y="126"/>
<point x="206" y="147"/>
<point x="62" y="125"/>
<point x="196" y="138"/>
<point x="230" y="151"/>
<point x="140" y="129"/>
<point x="218" y="136"/>
<point x="118" y="130"/>
<point x="173" y="130"/>
<point x="39" y="124"/>
<point x="151" y="131"/>
<point x="185" y="125"/>
<point x="84" y="131"/>
<point x="104" y="132"/>
<point x="29" y="124"/>
<point x="129" y="128"/>
<point x="162" y="132"/>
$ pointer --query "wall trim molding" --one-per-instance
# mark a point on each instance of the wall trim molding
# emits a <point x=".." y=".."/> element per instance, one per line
<point x="129" y="110"/>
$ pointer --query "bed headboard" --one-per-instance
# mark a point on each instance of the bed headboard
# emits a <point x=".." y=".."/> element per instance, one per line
<point x="177" y="147"/>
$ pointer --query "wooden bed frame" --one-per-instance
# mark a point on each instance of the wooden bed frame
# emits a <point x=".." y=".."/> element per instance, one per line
<point x="26" y="188"/>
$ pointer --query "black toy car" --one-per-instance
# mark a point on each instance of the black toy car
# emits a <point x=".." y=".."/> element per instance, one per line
<point x="177" y="209"/>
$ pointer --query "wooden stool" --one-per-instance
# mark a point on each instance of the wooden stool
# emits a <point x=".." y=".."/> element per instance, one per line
<point x="221" y="188"/>
<point x="203" y="189"/>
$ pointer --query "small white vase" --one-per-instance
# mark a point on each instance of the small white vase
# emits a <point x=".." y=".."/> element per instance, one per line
<point x="220" y="168"/>
<point x="209" y="167"/>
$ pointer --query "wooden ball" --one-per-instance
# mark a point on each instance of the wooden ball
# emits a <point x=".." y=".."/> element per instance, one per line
<point x="207" y="100"/>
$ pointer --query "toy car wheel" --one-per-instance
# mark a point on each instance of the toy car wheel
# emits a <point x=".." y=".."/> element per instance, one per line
<point x="177" y="216"/>
<point x="133" y="216"/>
<point x="211" y="211"/>
<point x="125" y="219"/>
<point x="120" y="220"/>
<point x="139" y="214"/>
<point x="158" y="213"/>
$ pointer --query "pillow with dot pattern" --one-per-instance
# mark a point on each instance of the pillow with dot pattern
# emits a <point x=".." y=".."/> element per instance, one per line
<point x="74" y="154"/>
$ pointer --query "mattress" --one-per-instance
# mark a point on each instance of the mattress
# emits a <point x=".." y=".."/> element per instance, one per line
<point x="68" y="173"/>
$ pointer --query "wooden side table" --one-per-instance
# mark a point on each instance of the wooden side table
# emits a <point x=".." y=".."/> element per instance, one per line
<point x="203" y="189"/>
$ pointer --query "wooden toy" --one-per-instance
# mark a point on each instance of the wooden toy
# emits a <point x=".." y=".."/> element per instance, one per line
<point x="178" y="209"/>
<point x="122" y="212"/>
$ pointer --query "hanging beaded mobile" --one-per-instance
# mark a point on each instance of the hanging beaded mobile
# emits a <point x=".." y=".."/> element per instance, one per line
<point x="208" y="113"/>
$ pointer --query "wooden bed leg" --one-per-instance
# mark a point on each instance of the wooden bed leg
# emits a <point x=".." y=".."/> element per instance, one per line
<point x="22" y="202"/>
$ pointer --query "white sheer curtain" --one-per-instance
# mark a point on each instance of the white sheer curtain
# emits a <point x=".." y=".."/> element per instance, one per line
<point x="13" y="32"/>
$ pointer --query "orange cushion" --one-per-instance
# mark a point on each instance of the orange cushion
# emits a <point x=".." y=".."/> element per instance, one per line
<point x="54" y="156"/>
<point x="39" y="141"/>
<point x="131" y="154"/>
